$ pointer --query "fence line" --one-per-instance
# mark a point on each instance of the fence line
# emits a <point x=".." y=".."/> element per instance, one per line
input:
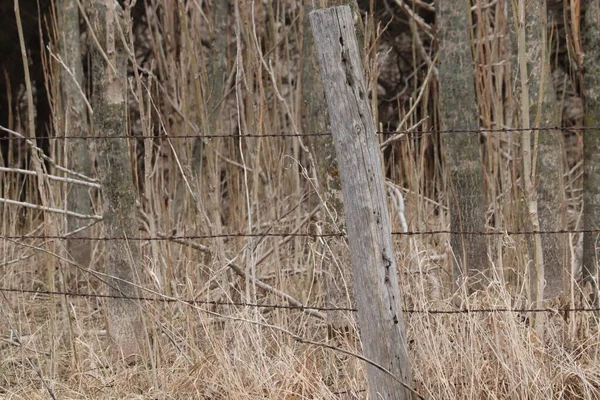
<point x="310" y="235"/>
<point x="291" y="134"/>
<point x="291" y="234"/>
<point x="302" y="308"/>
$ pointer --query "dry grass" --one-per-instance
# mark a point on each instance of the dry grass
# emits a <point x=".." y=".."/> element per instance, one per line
<point x="236" y="352"/>
<point x="57" y="346"/>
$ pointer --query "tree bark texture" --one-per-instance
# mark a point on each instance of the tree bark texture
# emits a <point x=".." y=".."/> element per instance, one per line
<point x="458" y="111"/>
<point x="109" y="74"/>
<point x="549" y="172"/>
<point x="591" y="146"/>
<point x="546" y="200"/>
<point x="367" y="218"/>
<point x="544" y="111"/>
<point x="75" y="124"/>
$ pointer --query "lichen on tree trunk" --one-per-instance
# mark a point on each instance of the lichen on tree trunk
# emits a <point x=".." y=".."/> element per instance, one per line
<point x="76" y="124"/>
<point x="122" y="257"/>
<point x="458" y="110"/>
<point x="546" y="173"/>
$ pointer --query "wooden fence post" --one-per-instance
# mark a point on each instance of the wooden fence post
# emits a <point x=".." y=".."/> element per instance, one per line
<point x="369" y="233"/>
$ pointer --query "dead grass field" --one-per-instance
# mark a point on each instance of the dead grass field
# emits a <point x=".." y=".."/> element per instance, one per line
<point x="55" y="346"/>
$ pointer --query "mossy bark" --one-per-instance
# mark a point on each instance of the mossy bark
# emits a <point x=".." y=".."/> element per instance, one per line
<point x="547" y="177"/>
<point x="458" y="111"/>
<point x="75" y="124"/>
<point x="109" y="78"/>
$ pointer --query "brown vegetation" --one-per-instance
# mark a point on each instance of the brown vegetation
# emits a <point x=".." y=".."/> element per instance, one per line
<point x="200" y="68"/>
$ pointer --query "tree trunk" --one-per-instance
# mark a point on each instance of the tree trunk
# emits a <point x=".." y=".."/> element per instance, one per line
<point x="544" y="182"/>
<point x="458" y="110"/>
<point x="549" y="172"/>
<point x="76" y="124"/>
<point x="118" y="192"/>
<point x="377" y="292"/>
<point x="591" y="144"/>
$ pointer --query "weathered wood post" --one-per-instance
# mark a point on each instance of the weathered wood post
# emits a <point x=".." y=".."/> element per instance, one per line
<point x="369" y="233"/>
<point x="338" y="281"/>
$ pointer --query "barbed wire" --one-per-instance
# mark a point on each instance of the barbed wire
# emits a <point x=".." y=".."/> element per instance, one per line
<point x="291" y="234"/>
<point x="301" y="308"/>
<point x="291" y="134"/>
<point x="169" y="238"/>
<point x="174" y="300"/>
<point x="349" y="391"/>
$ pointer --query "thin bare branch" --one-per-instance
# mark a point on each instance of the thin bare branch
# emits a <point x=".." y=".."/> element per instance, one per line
<point x="52" y="177"/>
<point x="49" y="209"/>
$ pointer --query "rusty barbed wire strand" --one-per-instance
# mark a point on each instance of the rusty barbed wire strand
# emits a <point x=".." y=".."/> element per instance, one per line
<point x="170" y="238"/>
<point x="290" y="234"/>
<point x="290" y="307"/>
<point x="171" y="300"/>
<point x="326" y="133"/>
<point x="349" y="391"/>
